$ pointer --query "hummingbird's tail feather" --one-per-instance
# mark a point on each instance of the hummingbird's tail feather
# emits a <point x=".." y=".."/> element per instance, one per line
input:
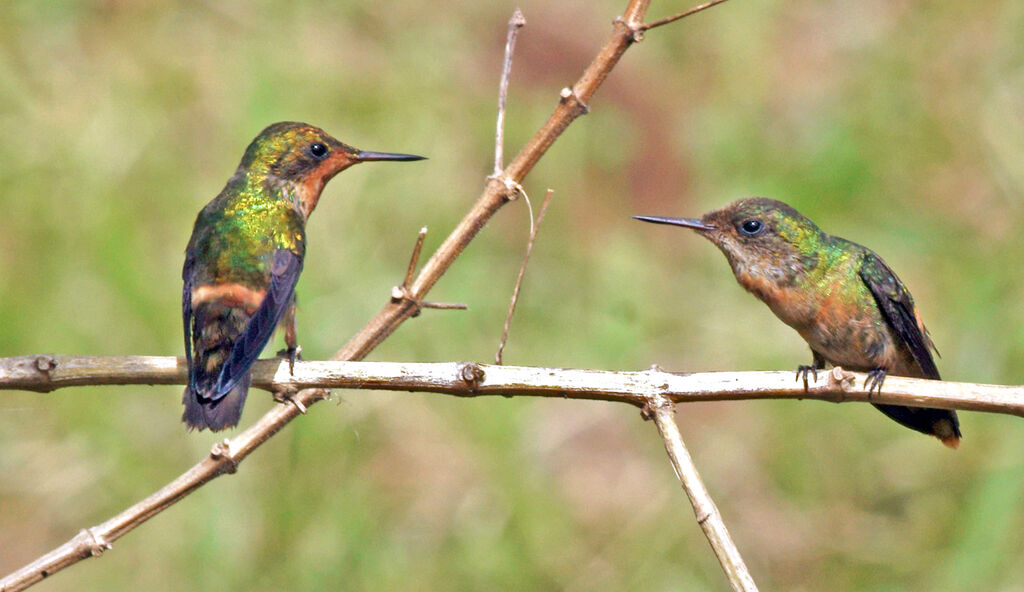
<point x="216" y="414"/>
<point x="941" y="423"/>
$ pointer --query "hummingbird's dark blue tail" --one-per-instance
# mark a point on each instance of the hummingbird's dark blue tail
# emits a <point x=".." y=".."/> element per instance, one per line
<point x="216" y="414"/>
<point x="941" y="423"/>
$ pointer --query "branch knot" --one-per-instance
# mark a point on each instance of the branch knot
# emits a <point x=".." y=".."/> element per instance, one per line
<point x="567" y="93"/>
<point x="636" y="30"/>
<point x="95" y="543"/>
<point x="472" y="374"/>
<point x="222" y="451"/>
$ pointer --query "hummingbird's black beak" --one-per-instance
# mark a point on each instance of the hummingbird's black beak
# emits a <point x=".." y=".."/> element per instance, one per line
<point x="366" y="156"/>
<point x="687" y="222"/>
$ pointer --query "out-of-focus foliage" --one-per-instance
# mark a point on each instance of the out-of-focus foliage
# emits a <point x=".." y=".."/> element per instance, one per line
<point x="896" y="124"/>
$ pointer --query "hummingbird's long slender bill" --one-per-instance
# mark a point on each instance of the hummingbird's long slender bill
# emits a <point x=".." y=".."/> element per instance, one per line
<point x="367" y="156"/>
<point x="686" y="222"/>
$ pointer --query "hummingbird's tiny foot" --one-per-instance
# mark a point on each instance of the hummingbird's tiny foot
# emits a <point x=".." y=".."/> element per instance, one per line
<point x="874" y="380"/>
<point x="802" y="371"/>
<point x="291" y="354"/>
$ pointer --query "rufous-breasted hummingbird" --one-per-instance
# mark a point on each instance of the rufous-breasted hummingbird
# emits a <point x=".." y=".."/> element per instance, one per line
<point x="839" y="296"/>
<point x="243" y="261"/>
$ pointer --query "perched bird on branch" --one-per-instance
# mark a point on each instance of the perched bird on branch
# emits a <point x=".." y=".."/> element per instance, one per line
<point x="840" y="297"/>
<point x="244" y="259"/>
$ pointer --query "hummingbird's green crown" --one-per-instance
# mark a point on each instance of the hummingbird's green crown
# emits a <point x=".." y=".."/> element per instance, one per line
<point x="291" y="150"/>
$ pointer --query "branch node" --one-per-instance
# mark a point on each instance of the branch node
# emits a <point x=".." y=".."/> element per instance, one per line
<point x="636" y="30"/>
<point x="404" y="294"/>
<point x="512" y="188"/>
<point x="472" y="374"/>
<point x="653" y="404"/>
<point x="288" y="395"/>
<point x="46" y="363"/>
<point x="567" y="93"/>
<point x="96" y="543"/>
<point x="222" y="451"/>
<point x="841" y="381"/>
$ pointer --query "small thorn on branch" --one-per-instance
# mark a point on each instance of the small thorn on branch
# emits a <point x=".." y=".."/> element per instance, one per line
<point x="567" y="93"/>
<point x="515" y="23"/>
<point x="675" y="17"/>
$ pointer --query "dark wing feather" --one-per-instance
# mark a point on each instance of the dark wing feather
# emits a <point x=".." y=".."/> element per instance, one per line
<point x="284" y="273"/>
<point x="897" y="307"/>
<point x="186" y="312"/>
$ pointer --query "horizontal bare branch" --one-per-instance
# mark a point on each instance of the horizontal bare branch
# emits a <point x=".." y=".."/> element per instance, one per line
<point x="45" y="373"/>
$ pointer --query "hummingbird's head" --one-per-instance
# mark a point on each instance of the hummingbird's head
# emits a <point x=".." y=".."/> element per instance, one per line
<point x="764" y="240"/>
<point x="303" y="158"/>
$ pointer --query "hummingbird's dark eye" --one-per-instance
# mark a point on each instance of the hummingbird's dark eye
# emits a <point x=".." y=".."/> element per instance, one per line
<point x="318" y="150"/>
<point x="751" y="227"/>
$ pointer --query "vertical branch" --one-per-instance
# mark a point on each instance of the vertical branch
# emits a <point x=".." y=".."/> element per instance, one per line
<point x="518" y="21"/>
<point x="710" y="519"/>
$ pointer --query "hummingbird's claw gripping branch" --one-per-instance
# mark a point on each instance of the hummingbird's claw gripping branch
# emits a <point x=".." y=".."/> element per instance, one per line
<point x="801" y="372"/>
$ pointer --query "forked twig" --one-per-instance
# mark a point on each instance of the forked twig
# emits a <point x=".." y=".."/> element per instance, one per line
<point x="402" y="292"/>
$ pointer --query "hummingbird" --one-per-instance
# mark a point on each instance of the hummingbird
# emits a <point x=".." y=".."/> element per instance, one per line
<point x="244" y="259"/>
<point x="841" y="297"/>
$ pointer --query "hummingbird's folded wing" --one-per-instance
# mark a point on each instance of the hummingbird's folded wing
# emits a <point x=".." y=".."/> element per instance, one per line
<point x="284" y="274"/>
<point x="897" y="307"/>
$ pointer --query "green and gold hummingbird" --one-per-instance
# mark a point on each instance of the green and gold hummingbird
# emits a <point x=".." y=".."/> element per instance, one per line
<point x="244" y="259"/>
<point x="839" y="296"/>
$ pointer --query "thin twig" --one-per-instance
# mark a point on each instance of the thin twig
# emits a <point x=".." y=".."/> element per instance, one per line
<point x="534" y="227"/>
<point x="515" y="23"/>
<point x="676" y="17"/>
<point x="709" y="518"/>
<point x="414" y="260"/>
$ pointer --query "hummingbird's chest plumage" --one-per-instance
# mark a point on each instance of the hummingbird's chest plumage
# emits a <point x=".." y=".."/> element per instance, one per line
<point x="837" y="315"/>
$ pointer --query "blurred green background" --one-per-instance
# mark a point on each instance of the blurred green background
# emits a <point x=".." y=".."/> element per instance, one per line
<point x="899" y="125"/>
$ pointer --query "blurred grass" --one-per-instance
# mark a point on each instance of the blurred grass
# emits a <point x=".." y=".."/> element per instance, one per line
<point x="895" y="124"/>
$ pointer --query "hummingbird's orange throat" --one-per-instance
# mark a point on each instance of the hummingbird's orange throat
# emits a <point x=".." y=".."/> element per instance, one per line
<point x="309" y="190"/>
